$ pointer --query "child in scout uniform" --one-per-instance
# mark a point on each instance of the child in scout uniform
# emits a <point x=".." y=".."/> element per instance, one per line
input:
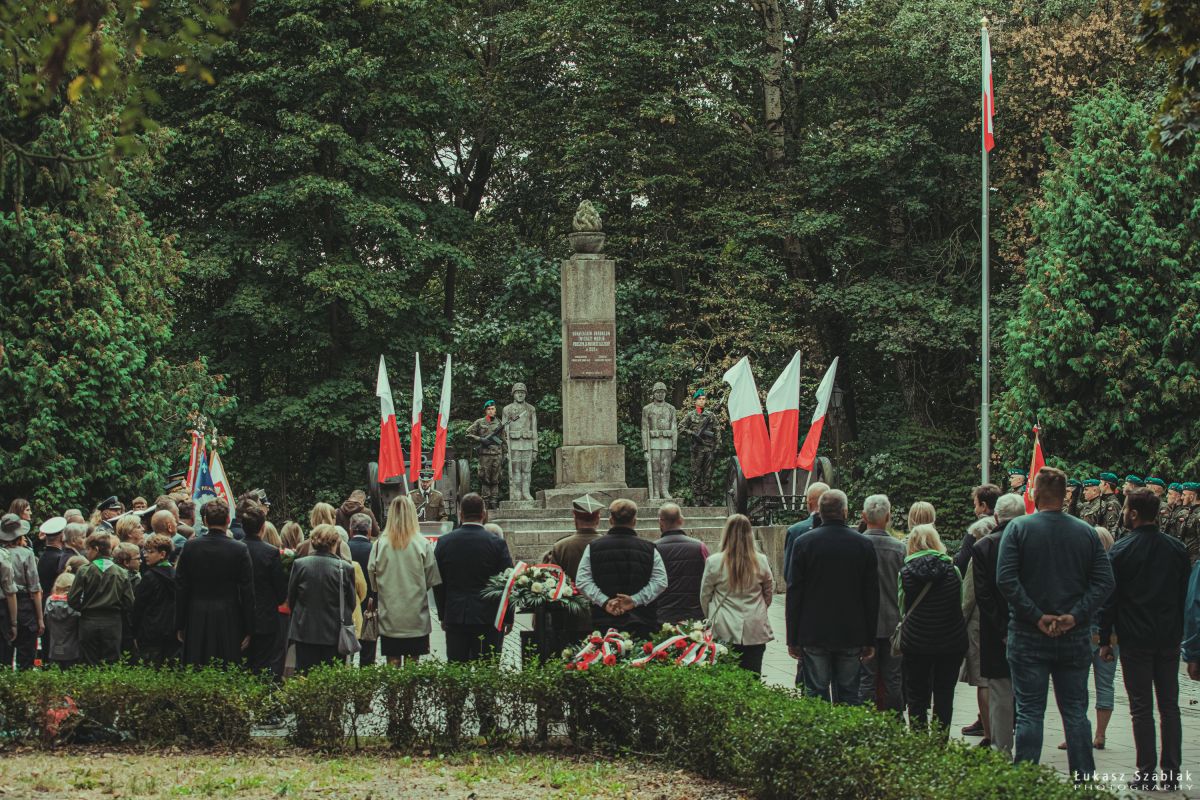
<point x="154" y="604"/>
<point x="100" y="594"/>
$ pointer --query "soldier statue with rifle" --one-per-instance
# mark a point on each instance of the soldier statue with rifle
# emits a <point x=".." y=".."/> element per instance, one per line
<point x="520" y="427"/>
<point x="660" y="439"/>
<point x="485" y="432"/>
<point x="704" y="431"/>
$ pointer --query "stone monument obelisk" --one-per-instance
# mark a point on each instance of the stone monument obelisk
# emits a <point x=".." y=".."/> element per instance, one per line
<point x="590" y="458"/>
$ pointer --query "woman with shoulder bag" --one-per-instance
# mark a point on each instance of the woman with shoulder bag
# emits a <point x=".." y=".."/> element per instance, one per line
<point x="402" y="571"/>
<point x="321" y="596"/>
<point x="735" y="593"/>
<point x="933" y="635"/>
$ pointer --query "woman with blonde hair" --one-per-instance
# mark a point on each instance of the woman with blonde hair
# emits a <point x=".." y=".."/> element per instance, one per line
<point x="736" y="591"/>
<point x="321" y="514"/>
<point x="921" y="513"/>
<point x="403" y="570"/>
<point x="292" y="535"/>
<point x="271" y="536"/>
<point x="933" y="638"/>
<point x="129" y="529"/>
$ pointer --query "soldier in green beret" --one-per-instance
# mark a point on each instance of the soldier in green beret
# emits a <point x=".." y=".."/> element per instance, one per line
<point x="1132" y="482"/>
<point x="1111" y="504"/>
<point x="485" y="433"/>
<point x="704" y="432"/>
<point x="1091" y="510"/>
<point x="1189" y="526"/>
<point x="1159" y="487"/>
<point x="1072" y="501"/>
<point x="1017" y="478"/>
<point x="1174" y="501"/>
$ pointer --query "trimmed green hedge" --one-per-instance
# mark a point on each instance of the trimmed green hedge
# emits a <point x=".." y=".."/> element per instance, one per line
<point x="717" y="722"/>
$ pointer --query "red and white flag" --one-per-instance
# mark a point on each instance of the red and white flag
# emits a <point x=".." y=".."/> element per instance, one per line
<point x="391" y="457"/>
<point x="414" y="447"/>
<point x="443" y="421"/>
<point x="783" y="414"/>
<point x="989" y="96"/>
<point x="194" y="461"/>
<point x="220" y="481"/>
<point x="750" y="438"/>
<point x="1035" y="466"/>
<point x="808" y="451"/>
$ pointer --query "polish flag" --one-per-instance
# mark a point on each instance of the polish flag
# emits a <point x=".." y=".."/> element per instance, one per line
<point x="220" y="482"/>
<point x="391" y="457"/>
<point x="194" y="459"/>
<point x="989" y="95"/>
<point x="783" y="414"/>
<point x="808" y="451"/>
<point x="1035" y="466"/>
<point x="443" y="420"/>
<point x="750" y="439"/>
<point x="414" y="447"/>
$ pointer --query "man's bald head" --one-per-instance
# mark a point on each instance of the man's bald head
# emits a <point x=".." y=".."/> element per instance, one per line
<point x="163" y="522"/>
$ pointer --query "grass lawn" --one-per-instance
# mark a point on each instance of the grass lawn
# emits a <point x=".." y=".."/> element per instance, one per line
<point x="93" y="774"/>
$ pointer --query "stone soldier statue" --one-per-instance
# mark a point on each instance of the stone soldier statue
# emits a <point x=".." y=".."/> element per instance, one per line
<point x="1091" y="510"/>
<point x="486" y="434"/>
<point x="660" y="439"/>
<point x="704" y="432"/>
<point x="431" y="504"/>
<point x="1111" y="504"/>
<point x="520" y="433"/>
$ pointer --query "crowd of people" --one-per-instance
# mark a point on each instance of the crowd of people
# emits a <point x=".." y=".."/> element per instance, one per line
<point x="872" y="617"/>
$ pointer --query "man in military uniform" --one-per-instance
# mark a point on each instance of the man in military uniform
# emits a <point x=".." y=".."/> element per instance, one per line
<point x="1072" y="500"/>
<point x="1111" y="504"/>
<point x="704" y="429"/>
<point x="486" y="434"/>
<point x="1189" y="521"/>
<point x="520" y="434"/>
<point x="1174" y="502"/>
<point x="660" y="439"/>
<point x="431" y="504"/>
<point x="1016" y="480"/>
<point x="1091" y="510"/>
<point x="1159" y="487"/>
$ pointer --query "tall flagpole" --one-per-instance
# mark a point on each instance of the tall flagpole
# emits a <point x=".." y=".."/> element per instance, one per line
<point x="985" y="455"/>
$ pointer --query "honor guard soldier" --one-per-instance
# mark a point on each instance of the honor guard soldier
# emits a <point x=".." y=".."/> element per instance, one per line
<point x="486" y="433"/>
<point x="1174" y="503"/>
<point x="1110" y="503"/>
<point x="1017" y="478"/>
<point x="431" y="504"/>
<point x="1091" y="510"/>
<point x="703" y="430"/>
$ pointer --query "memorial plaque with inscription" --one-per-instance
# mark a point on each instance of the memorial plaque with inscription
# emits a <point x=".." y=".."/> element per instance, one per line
<point x="591" y="349"/>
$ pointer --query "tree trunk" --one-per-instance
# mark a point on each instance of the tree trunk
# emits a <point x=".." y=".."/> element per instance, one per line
<point x="772" y="77"/>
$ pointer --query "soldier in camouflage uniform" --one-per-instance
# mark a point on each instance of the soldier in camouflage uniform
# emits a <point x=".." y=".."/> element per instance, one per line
<point x="485" y="433"/>
<point x="1189" y="526"/>
<point x="1111" y="504"/>
<point x="1174" y="502"/>
<point x="1017" y="478"/>
<point x="1073" y="500"/>
<point x="1159" y="487"/>
<point x="1091" y="510"/>
<point x="704" y="433"/>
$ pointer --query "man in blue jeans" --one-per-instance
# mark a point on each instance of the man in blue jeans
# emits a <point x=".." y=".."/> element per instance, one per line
<point x="1054" y="573"/>
<point x="832" y="604"/>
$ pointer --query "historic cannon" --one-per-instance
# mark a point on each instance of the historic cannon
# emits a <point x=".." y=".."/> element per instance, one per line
<point x="455" y="483"/>
<point x="761" y="498"/>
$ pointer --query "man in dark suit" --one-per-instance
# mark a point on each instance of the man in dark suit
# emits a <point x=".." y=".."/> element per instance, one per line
<point x="214" y="611"/>
<point x="833" y="603"/>
<point x="360" y="544"/>
<point x="467" y="557"/>
<point x="265" y="652"/>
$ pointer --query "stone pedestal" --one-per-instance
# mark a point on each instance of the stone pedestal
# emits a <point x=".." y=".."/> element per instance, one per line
<point x="590" y="457"/>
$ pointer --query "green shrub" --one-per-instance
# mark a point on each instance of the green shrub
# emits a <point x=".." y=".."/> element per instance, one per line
<point x="719" y="722"/>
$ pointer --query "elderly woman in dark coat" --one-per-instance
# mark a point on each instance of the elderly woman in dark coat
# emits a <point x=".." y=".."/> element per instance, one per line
<point x="214" y="604"/>
<point x="313" y="595"/>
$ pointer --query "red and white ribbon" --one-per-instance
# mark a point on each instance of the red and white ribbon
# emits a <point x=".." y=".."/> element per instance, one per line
<point x="561" y="584"/>
<point x="692" y="652"/>
<point x="506" y="597"/>
<point x="605" y="649"/>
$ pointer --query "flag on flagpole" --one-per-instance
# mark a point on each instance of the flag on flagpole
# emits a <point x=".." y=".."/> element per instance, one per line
<point x="194" y="459"/>
<point x="220" y="482"/>
<point x="443" y="421"/>
<point x="414" y="448"/>
<point x="989" y="96"/>
<point x="783" y="414"/>
<point x="1035" y="466"/>
<point x="204" y="490"/>
<point x="750" y="439"/>
<point x="391" y="457"/>
<point x="808" y="451"/>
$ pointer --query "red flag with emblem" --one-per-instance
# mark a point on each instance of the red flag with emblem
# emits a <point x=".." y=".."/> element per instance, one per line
<point x="1035" y="466"/>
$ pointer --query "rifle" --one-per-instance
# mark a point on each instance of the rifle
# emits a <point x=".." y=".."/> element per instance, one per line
<point x="698" y="436"/>
<point x="494" y="436"/>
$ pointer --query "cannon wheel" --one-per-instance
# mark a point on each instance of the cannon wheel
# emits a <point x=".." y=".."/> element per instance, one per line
<point x="737" y="497"/>
<point x="823" y="471"/>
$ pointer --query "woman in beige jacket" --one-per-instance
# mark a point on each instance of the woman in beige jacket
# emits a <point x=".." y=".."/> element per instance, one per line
<point x="403" y="570"/>
<point x="736" y="591"/>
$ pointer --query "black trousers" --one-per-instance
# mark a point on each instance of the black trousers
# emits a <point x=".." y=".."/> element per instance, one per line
<point x="311" y="655"/>
<point x="263" y="652"/>
<point x="100" y="637"/>
<point x="472" y="642"/>
<point x="1151" y="674"/>
<point x="926" y="677"/>
<point x="368" y="654"/>
<point x="750" y="656"/>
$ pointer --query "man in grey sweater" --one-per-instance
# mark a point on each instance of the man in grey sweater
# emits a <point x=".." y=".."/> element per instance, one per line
<point x="1056" y="576"/>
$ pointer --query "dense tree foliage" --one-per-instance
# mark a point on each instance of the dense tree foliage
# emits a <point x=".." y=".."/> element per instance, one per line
<point x="390" y="177"/>
<point x="1170" y="29"/>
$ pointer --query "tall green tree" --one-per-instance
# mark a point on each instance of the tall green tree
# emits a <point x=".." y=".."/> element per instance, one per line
<point x="1105" y="343"/>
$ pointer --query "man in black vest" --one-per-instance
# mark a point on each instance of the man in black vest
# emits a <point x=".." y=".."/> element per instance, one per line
<point x="684" y="558"/>
<point x="622" y="575"/>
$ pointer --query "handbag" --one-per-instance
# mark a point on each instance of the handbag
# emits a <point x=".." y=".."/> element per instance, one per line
<point x="895" y="639"/>
<point x="348" y="643"/>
